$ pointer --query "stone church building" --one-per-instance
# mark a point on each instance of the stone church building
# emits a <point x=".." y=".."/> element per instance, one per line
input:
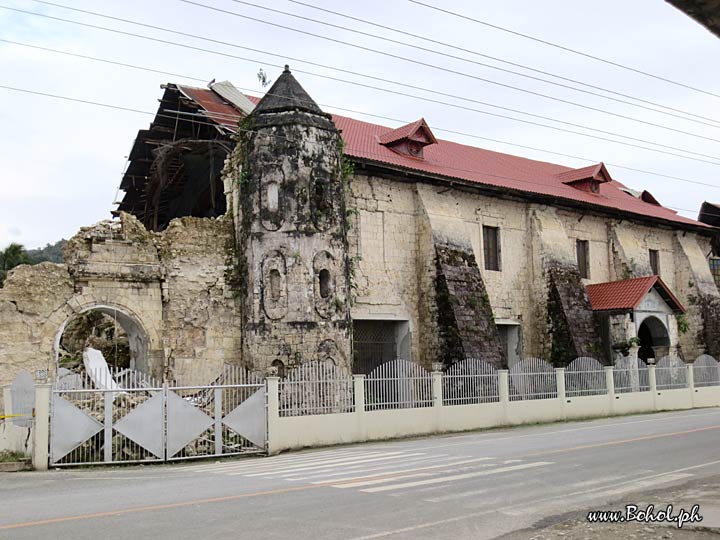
<point x="269" y="233"/>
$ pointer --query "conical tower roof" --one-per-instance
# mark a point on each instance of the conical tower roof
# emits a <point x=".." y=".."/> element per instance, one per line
<point x="287" y="94"/>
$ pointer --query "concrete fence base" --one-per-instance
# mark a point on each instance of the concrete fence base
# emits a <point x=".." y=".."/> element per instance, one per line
<point x="294" y="432"/>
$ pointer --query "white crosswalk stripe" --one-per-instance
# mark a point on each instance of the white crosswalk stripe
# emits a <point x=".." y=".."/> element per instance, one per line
<point x="374" y="471"/>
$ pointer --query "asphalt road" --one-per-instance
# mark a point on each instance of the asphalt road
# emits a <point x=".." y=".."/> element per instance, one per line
<point x="478" y="485"/>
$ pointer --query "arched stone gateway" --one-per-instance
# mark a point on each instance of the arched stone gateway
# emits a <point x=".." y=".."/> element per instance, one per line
<point x="145" y="346"/>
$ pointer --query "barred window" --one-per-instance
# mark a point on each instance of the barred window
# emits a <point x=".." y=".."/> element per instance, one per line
<point x="491" y="247"/>
<point x="655" y="261"/>
<point x="583" y="257"/>
<point x="715" y="269"/>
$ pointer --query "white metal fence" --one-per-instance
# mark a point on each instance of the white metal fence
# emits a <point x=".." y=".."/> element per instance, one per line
<point x="398" y="384"/>
<point x="631" y="375"/>
<point x="706" y="371"/>
<point x="124" y="416"/>
<point x="316" y="388"/>
<point x="471" y="381"/>
<point x="671" y="373"/>
<point x="585" y="376"/>
<point x="532" y="378"/>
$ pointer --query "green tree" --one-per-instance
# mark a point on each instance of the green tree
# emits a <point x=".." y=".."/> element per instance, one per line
<point x="10" y="257"/>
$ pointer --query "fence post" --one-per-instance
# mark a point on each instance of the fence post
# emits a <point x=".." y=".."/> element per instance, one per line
<point x="41" y="441"/>
<point x="691" y="384"/>
<point x="504" y="393"/>
<point x="108" y="430"/>
<point x="218" y="421"/>
<point x="437" y="388"/>
<point x="273" y="415"/>
<point x="653" y="385"/>
<point x="610" y="385"/>
<point x="560" y="383"/>
<point x="359" y="391"/>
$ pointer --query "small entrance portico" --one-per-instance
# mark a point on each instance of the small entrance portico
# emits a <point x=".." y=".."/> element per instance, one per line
<point x="641" y="309"/>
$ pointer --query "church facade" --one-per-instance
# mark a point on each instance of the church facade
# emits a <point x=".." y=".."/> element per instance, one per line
<point x="268" y="233"/>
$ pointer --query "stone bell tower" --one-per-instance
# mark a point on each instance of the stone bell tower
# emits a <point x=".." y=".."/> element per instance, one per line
<point x="291" y="232"/>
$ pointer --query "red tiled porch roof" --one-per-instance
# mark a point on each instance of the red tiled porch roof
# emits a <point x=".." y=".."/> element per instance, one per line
<point x="628" y="293"/>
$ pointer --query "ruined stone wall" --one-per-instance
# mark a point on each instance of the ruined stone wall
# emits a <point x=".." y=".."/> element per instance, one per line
<point x="29" y="298"/>
<point x="167" y="290"/>
<point x="201" y="312"/>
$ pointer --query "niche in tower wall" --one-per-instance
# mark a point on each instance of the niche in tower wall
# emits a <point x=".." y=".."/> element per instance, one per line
<point x="274" y="286"/>
<point x="271" y="206"/>
<point x="324" y="283"/>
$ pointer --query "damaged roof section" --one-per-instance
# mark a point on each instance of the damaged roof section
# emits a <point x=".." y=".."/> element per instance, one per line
<point x="175" y="166"/>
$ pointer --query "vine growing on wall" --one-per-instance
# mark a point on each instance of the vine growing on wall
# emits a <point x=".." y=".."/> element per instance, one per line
<point x="682" y="323"/>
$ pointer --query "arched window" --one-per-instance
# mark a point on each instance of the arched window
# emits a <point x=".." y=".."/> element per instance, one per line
<point x="325" y="283"/>
<point x="280" y="368"/>
<point x="275" y="284"/>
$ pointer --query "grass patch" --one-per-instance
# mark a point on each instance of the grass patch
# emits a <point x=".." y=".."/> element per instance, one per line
<point x="7" y="456"/>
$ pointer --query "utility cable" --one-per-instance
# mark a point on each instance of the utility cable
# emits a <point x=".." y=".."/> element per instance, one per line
<point x="355" y="111"/>
<point x="449" y="70"/>
<point x="564" y="48"/>
<point x="495" y="58"/>
<point x="404" y="94"/>
<point x="711" y="122"/>
<point x="380" y="157"/>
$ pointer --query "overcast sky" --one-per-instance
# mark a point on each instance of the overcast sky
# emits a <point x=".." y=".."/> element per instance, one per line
<point x="61" y="162"/>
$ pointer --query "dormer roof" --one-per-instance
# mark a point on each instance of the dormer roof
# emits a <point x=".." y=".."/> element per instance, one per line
<point x="409" y="139"/>
<point x="596" y="172"/>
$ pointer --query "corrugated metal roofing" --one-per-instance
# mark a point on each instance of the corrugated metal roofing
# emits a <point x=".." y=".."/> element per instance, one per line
<point x="214" y="106"/>
<point x="628" y="293"/>
<point x="476" y="165"/>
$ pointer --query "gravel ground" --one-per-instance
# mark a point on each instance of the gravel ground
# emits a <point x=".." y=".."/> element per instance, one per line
<point x="705" y="493"/>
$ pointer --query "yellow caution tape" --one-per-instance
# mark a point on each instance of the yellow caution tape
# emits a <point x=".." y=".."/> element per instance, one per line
<point x="12" y="416"/>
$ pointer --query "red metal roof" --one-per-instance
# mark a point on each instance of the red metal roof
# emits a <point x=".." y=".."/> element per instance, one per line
<point x="363" y="140"/>
<point x="628" y="293"/>
<point x="215" y="107"/>
<point x="476" y="165"/>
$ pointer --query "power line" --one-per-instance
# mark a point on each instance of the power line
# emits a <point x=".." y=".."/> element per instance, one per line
<point x="379" y="156"/>
<point x="497" y="59"/>
<point x="418" y="62"/>
<point x="448" y="70"/>
<point x="395" y="92"/>
<point x="564" y="48"/>
<point x="401" y="121"/>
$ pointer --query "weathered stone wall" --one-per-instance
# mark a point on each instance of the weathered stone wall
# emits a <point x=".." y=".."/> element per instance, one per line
<point x="699" y="295"/>
<point x="383" y="244"/>
<point x="167" y="290"/>
<point x="201" y="312"/>
<point x="29" y="298"/>
<point x="403" y="284"/>
<point x="292" y="241"/>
